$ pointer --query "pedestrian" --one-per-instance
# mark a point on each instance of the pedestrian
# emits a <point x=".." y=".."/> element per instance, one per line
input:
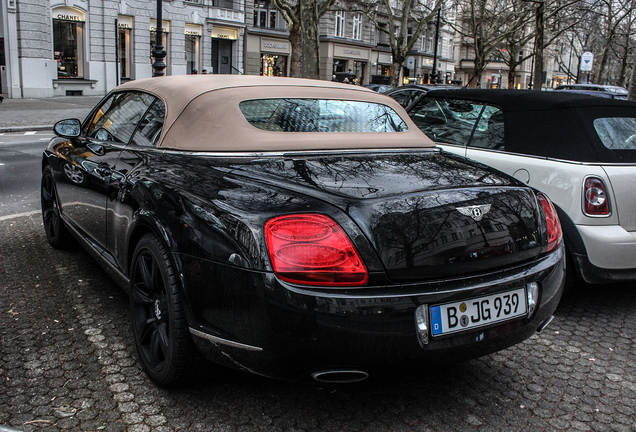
<point x="194" y="72"/>
<point x="204" y="72"/>
<point x="333" y="78"/>
<point x="346" y="80"/>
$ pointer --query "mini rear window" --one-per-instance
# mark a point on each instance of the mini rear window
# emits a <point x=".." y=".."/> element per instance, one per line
<point x="617" y="133"/>
<point x="321" y="115"/>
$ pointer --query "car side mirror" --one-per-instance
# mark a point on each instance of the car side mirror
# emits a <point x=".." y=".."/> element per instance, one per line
<point x="69" y="128"/>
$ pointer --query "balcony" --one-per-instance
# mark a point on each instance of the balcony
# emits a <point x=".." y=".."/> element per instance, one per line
<point x="230" y="15"/>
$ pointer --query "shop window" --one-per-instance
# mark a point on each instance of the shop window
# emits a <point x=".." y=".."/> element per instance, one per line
<point x="339" y="65"/>
<point x="192" y="53"/>
<point x="358" y="69"/>
<point x="273" y="65"/>
<point x="68" y="48"/>
<point x="124" y="53"/>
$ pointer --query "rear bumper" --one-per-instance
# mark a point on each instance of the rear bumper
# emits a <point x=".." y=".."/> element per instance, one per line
<point x="297" y="331"/>
<point x="611" y="254"/>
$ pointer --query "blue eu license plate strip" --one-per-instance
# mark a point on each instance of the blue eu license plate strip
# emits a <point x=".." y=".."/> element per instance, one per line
<point x="478" y="312"/>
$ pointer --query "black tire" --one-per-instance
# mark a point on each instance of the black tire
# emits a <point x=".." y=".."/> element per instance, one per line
<point x="56" y="232"/>
<point x="162" y="337"/>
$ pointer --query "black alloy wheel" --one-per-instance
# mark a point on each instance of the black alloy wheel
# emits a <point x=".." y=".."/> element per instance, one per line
<point x="56" y="232"/>
<point x="162" y="337"/>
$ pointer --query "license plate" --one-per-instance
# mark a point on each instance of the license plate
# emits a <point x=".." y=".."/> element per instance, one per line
<point x="478" y="312"/>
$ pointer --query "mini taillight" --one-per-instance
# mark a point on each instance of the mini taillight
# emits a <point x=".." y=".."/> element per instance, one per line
<point x="555" y="235"/>
<point x="595" y="201"/>
<point x="312" y="249"/>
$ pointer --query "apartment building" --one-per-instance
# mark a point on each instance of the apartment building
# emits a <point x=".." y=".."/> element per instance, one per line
<point x="87" y="47"/>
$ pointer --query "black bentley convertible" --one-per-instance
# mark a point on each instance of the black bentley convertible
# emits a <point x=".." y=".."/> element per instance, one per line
<point x="297" y="229"/>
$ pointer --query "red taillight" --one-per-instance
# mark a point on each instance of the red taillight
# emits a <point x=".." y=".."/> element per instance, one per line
<point x="552" y="220"/>
<point x="312" y="249"/>
<point x="595" y="201"/>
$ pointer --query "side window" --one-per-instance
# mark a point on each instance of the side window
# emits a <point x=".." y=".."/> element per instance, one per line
<point x="118" y="117"/>
<point x="490" y="130"/>
<point x="447" y="121"/>
<point x="411" y="96"/>
<point x="151" y="126"/>
<point x="402" y="98"/>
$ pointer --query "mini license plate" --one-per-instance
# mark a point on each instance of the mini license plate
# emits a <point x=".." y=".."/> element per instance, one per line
<point x="469" y="314"/>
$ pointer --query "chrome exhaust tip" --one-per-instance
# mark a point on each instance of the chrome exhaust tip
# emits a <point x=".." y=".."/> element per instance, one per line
<point x="545" y="323"/>
<point x="340" y="376"/>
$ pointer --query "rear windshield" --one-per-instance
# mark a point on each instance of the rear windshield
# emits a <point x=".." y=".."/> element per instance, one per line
<point x="321" y="115"/>
<point x="617" y="133"/>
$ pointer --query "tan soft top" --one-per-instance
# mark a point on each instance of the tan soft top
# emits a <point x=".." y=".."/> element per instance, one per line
<point x="202" y="114"/>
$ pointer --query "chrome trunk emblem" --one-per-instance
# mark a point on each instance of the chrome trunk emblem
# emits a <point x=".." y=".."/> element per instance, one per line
<point x="476" y="212"/>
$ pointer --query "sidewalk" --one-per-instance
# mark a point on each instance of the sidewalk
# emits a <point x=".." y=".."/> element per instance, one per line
<point x="18" y="115"/>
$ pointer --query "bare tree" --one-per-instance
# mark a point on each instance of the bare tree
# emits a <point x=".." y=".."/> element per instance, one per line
<point x="484" y="25"/>
<point x="395" y="18"/>
<point x="302" y="17"/>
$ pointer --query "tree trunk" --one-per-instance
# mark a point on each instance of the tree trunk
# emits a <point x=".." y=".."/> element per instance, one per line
<point x="296" y="61"/>
<point x="308" y="12"/>
<point x="537" y="79"/>
<point x="632" y="85"/>
<point x="396" y="70"/>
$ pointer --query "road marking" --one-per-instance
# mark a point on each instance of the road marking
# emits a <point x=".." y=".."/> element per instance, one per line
<point x="30" y="133"/>
<point x="17" y="215"/>
<point x="44" y="139"/>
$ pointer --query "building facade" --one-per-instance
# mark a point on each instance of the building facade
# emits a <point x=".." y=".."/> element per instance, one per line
<point x="87" y="47"/>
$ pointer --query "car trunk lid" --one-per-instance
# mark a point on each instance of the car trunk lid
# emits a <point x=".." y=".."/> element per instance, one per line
<point x="427" y="214"/>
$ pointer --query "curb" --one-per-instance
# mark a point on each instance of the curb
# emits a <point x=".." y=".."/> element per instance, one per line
<point x="4" y="129"/>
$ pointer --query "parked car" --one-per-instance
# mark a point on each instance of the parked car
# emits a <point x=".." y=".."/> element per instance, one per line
<point x="297" y="228"/>
<point x="380" y="88"/>
<point x="407" y="94"/>
<point x="615" y="92"/>
<point x="579" y="150"/>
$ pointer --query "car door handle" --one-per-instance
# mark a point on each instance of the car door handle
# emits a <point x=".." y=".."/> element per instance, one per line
<point x="98" y="149"/>
<point x="104" y="172"/>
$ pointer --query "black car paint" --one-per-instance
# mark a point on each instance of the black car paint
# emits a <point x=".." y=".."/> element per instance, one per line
<point x="209" y="211"/>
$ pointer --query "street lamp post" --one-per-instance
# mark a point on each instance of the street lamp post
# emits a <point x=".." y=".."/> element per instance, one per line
<point x="159" y="53"/>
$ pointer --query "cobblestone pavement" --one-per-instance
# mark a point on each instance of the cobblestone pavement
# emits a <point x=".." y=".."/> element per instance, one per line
<point x="67" y="363"/>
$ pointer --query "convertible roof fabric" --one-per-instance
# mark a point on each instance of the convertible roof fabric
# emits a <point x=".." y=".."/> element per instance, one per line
<point x="553" y="124"/>
<point x="202" y="114"/>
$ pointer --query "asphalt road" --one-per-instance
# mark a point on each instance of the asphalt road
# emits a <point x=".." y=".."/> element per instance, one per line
<point x="20" y="166"/>
<point x="67" y="363"/>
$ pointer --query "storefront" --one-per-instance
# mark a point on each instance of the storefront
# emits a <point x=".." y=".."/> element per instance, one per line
<point x="382" y="71"/>
<point x="274" y="57"/>
<point x="165" y="32"/>
<point x="351" y="59"/>
<point x="193" y="34"/>
<point x="68" y="42"/>
<point x="124" y="46"/>
<point x="223" y="40"/>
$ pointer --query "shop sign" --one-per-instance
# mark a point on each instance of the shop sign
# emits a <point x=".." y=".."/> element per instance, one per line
<point x="274" y="46"/>
<point x="165" y="26"/>
<point x="224" y="33"/>
<point x="68" y="14"/>
<point x="124" y="22"/>
<point x="384" y="58"/>
<point x="193" y="30"/>
<point x="351" y="52"/>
